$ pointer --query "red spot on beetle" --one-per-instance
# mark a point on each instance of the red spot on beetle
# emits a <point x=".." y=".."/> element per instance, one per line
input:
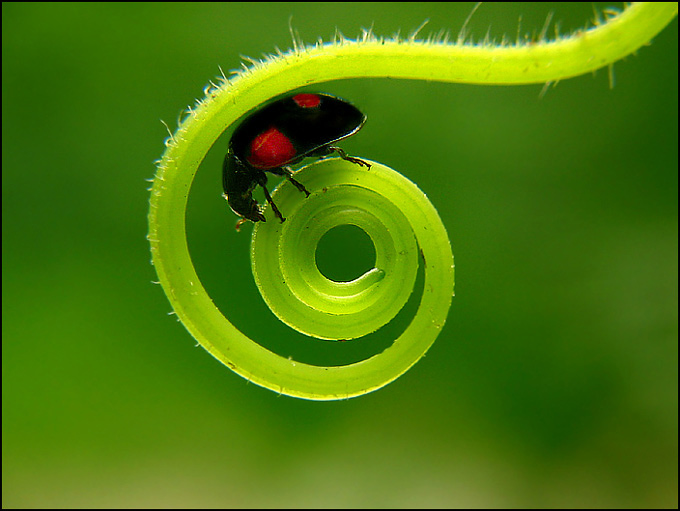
<point x="270" y="149"/>
<point x="307" y="100"/>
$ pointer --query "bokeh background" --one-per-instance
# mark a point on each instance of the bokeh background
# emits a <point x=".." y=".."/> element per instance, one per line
<point x="554" y="382"/>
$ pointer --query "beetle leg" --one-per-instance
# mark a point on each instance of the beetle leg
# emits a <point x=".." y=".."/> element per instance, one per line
<point x="240" y="222"/>
<point x="344" y="156"/>
<point x="270" y="201"/>
<point x="288" y="173"/>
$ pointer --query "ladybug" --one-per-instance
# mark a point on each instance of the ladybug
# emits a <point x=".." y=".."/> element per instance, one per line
<point x="281" y="134"/>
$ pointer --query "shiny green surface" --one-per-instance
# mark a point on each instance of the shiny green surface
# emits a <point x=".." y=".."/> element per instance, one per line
<point x="394" y="213"/>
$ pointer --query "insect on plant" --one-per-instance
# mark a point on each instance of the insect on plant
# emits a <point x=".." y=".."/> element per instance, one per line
<point x="281" y="134"/>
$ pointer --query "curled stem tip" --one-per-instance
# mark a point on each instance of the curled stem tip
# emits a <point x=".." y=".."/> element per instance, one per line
<point x="396" y="215"/>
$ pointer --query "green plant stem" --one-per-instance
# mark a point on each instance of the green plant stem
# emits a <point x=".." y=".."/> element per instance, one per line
<point x="537" y="62"/>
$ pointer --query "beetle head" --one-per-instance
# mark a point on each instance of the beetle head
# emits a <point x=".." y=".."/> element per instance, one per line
<point x="239" y="181"/>
<point x="245" y="207"/>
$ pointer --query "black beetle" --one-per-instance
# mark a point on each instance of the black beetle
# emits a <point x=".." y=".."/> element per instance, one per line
<point x="280" y="134"/>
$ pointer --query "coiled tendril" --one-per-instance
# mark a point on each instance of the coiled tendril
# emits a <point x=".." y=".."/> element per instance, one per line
<point x="395" y="214"/>
<point x="392" y="211"/>
<point x="399" y="219"/>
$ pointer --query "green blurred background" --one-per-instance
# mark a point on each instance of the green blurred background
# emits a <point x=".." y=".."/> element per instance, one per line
<point x="554" y="382"/>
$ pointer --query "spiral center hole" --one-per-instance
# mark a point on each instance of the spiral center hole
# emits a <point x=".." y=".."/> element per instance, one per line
<point x="345" y="253"/>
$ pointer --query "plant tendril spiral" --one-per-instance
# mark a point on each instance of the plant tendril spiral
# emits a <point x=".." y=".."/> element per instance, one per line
<point x="400" y="221"/>
<point x="396" y="215"/>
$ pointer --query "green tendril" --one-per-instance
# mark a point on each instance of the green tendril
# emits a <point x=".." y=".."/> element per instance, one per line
<point x="402" y="224"/>
<point x="392" y="211"/>
<point x="398" y="218"/>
